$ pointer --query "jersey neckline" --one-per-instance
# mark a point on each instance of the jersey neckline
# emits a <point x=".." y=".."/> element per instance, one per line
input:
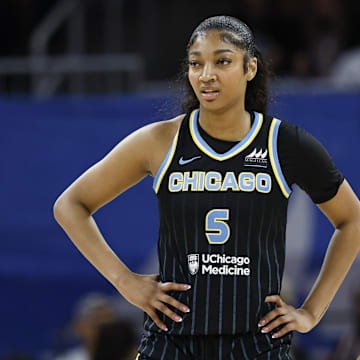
<point x="236" y="149"/>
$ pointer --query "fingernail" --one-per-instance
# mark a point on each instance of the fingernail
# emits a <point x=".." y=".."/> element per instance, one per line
<point x="165" y="328"/>
<point x="187" y="287"/>
<point x="261" y="323"/>
<point x="186" y="309"/>
<point x="264" y="330"/>
<point x="178" y="319"/>
<point x="274" y="336"/>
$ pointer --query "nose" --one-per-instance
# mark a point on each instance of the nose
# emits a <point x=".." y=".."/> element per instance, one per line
<point x="207" y="74"/>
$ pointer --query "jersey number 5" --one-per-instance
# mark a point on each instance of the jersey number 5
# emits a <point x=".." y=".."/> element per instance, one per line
<point x="217" y="231"/>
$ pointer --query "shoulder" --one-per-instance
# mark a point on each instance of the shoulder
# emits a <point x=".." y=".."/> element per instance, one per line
<point x="164" y="130"/>
<point x="293" y="138"/>
<point x="159" y="136"/>
<point x="288" y="132"/>
<point x="296" y="145"/>
<point x="155" y="135"/>
<point x="306" y="162"/>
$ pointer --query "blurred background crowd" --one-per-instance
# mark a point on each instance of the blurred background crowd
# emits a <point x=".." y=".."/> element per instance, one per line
<point x="300" y="39"/>
<point x="77" y="76"/>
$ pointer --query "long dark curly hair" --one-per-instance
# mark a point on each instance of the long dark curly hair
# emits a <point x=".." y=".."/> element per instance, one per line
<point x="237" y="33"/>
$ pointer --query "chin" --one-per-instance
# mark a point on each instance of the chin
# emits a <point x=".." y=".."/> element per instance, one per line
<point x="214" y="106"/>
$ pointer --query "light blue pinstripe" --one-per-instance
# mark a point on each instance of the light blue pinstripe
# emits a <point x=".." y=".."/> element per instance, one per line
<point x="268" y="258"/>
<point x="220" y="348"/>
<point x="248" y="279"/>
<point x="165" y="347"/>
<point x="194" y="307"/>
<point x="174" y="280"/>
<point x="196" y="278"/>
<point x="185" y="232"/>
<point x="277" y="265"/>
<point x="207" y="302"/>
<point x="259" y="262"/>
<point x="236" y="236"/>
<point x="268" y="340"/>
<point x="256" y="344"/>
<point x="221" y="298"/>
<point x="243" y="349"/>
<point x="211" y="205"/>
<point x="279" y="355"/>
<point x="153" y="346"/>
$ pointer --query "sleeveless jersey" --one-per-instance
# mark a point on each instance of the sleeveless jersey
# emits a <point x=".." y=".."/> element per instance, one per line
<point x="222" y="228"/>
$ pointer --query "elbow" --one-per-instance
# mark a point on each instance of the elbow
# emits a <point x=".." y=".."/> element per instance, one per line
<point x="66" y="208"/>
<point x="59" y="208"/>
<point x="357" y="230"/>
<point x="353" y="229"/>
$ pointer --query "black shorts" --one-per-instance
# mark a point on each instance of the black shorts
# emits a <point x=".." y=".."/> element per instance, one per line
<point x="214" y="347"/>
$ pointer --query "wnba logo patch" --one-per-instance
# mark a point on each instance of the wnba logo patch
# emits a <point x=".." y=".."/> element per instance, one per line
<point x="193" y="263"/>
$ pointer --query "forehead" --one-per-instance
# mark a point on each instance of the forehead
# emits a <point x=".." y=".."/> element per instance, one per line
<point x="212" y="40"/>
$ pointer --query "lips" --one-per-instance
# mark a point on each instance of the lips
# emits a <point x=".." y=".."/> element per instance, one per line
<point x="209" y="94"/>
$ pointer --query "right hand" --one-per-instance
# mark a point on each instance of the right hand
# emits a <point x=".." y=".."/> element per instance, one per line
<point x="148" y="293"/>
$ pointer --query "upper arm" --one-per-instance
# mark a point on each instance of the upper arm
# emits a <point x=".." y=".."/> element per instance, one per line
<point x="344" y="207"/>
<point x="306" y="162"/>
<point x="124" y="166"/>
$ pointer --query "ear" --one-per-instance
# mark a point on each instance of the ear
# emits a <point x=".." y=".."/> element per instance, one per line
<point x="251" y="69"/>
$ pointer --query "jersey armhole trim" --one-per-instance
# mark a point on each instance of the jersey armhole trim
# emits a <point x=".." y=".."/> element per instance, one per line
<point x="165" y="164"/>
<point x="274" y="158"/>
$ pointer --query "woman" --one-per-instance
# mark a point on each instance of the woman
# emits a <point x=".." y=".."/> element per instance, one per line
<point x="222" y="173"/>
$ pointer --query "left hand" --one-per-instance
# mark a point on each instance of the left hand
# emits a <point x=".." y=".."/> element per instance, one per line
<point x="292" y="319"/>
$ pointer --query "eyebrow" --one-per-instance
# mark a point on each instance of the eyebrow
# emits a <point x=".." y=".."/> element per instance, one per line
<point x="216" y="52"/>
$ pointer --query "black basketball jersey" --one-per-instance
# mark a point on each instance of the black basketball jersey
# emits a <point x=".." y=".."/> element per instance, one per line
<point x="222" y="228"/>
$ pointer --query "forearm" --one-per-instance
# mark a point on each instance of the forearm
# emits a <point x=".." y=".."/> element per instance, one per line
<point x="82" y="229"/>
<point x="341" y="253"/>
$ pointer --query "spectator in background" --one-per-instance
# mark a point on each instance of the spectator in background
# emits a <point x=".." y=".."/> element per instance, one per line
<point x="348" y="347"/>
<point x="286" y="44"/>
<point x="116" y="341"/>
<point x="346" y="70"/>
<point x="92" y="312"/>
<point x="305" y="37"/>
<point x="324" y="28"/>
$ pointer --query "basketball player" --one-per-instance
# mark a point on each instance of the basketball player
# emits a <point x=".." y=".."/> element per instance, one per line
<point x="222" y="173"/>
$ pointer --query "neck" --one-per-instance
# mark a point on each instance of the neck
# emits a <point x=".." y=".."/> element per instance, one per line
<point x="230" y="125"/>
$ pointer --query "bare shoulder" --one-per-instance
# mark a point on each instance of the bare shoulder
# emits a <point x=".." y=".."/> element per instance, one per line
<point x="161" y="136"/>
<point x="133" y="158"/>
<point x="165" y="130"/>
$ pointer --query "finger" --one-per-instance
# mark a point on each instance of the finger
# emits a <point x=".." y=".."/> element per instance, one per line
<point x="173" y="302"/>
<point x="272" y="315"/>
<point x="277" y="322"/>
<point x="274" y="298"/>
<point x="157" y="320"/>
<point x="168" y="286"/>
<point x="164" y="309"/>
<point x="284" y="330"/>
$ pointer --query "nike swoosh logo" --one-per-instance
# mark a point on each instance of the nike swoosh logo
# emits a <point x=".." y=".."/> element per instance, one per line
<point x="183" y="162"/>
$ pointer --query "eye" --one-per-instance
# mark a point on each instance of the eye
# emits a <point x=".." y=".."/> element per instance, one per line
<point x="224" y="61"/>
<point x="193" y="63"/>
